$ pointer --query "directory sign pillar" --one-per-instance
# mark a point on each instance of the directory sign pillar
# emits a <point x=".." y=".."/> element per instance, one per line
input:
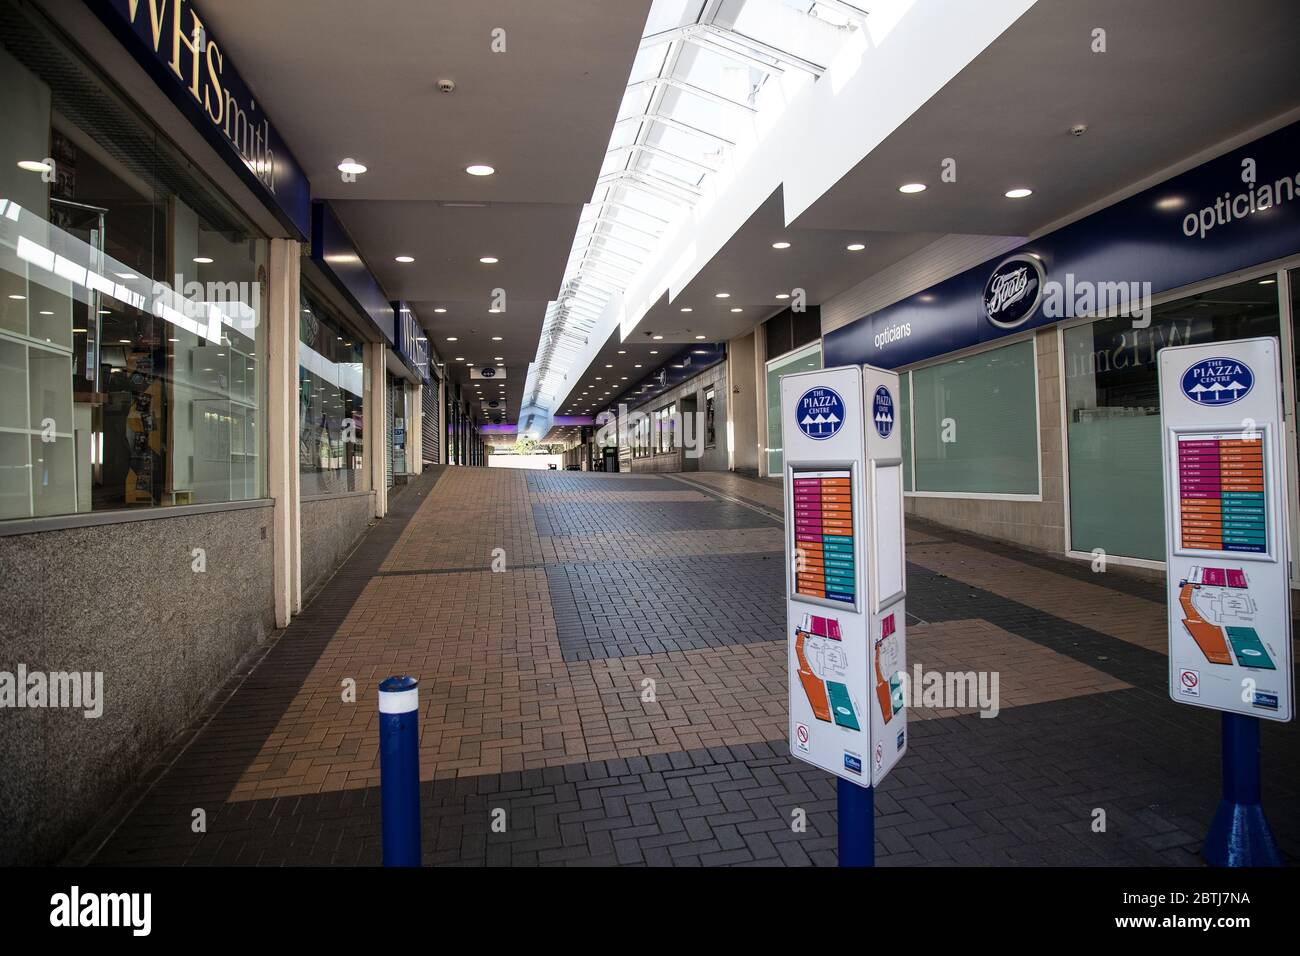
<point x="1228" y="580"/>
<point x="845" y="582"/>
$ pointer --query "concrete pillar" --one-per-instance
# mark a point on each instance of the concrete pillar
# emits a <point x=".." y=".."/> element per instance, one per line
<point x="282" y="424"/>
<point x="443" y="421"/>
<point x="415" y="431"/>
<point x="376" y="430"/>
<point x="741" y="419"/>
<point x="760" y="396"/>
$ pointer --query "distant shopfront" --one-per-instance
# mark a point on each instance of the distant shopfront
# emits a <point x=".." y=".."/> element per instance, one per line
<point x="1029" y="400"/>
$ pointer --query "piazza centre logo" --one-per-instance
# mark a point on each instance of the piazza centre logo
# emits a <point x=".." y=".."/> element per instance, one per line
<point x="1217" y="381"/>
<point x="820" y="413"/>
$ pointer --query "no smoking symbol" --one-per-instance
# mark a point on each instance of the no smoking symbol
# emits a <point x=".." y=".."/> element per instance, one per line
<point x="802" y="734"/>
<point x="1189" y="679"/>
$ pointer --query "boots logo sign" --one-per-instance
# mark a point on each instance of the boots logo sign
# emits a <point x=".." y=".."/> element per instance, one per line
<point x="1218" y="381"/>
<point x="820" y="413"/>
<point x="1013" y="291"/>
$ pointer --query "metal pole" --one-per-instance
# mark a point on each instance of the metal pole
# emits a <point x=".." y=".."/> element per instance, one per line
<point x="1240" y="835"/>
<point x="399" y="770"/>
<point x="857" y="824"/>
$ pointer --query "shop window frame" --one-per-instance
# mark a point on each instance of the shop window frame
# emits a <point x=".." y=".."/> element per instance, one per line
<point x="1279" y="269"/>
<point x="910" y="461"/>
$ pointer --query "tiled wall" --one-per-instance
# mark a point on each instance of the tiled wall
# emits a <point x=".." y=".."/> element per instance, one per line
<point x="713" y="457"/>
<point x="1039" y="525"/>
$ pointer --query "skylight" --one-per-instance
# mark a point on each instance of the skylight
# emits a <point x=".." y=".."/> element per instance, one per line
<point x="710" y="76"/>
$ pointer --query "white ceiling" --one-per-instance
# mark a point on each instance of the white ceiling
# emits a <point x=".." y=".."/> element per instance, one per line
<point x="347" y="80"/>
<point x="1178" y="77"/>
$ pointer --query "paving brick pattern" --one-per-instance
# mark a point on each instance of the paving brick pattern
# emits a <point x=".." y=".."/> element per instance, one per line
<point x="602" y="667"/>
<point x="622" y="608"/>
<point x="645" y="518"/>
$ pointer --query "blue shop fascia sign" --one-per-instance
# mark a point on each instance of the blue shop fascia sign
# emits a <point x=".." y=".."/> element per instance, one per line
<point x="1231" y="213"/>
<point x="171" y="40"/>
<point x="333" y="250"/>
<point x="412" y="341"/>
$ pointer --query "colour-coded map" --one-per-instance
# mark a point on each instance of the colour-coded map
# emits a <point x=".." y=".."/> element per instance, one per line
<point x="1220" y="615"/>
<point x="889" y="676"/>
<point x="823" y="670"/>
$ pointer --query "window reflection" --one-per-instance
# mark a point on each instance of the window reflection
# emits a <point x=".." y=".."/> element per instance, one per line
<point x="330" y="389"/>
<point x="131" y="298"/>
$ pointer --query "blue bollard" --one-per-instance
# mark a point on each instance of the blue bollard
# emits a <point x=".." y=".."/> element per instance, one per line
<point x="1239" y="835"/>
<point x="399" y="769"/>
<point x="857" y="824"/>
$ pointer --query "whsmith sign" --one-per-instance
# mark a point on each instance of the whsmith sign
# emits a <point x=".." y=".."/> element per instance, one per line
<point x="1230" y="213"/>
<point x="170" y="39"/>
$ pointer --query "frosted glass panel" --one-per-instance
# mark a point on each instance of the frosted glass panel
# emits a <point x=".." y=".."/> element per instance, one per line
<point x="801" y="361"/>
<point x="13" y="385"/>
<point x="15" y="476"/>
<point x="905" y="426"/>
<point x="1119" y="506"/>
<point x="1113" y="411"/>
<point x="976" y="428"/>
<point x="54" y="477"/>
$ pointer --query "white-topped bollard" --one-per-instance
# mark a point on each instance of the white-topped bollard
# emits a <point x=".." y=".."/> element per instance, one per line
<point x="399" y="769"/>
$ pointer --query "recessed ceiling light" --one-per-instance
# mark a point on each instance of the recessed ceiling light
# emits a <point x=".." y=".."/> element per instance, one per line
<point x="780" y="245"/>
<point x="494" y="311"/>
<point x="783" y="295"/>
<point x="637" y="365"/>
<point x="404" y="259"/>
<point x="855" y="247"/>
<point x="654" y="351"/>
<point x="737" y="309"/>
<point x="496" y="338"/>
<point x="722" y="295"/>
<point x="622" y="351"/>
<point x="1267" y="281"/>
<point x="17" y="297"/>
<point x="460" y="358"/>
<point x="912" y="188"/>
<point x="44" y="312"/>
<point x="480" y="169"/>
<point x="1020" y="192"/>
<point x="609" y="366"/>
<point x="699" y="338"/>
<point x="203" y="260"/>
<point x="352" y="167"/>
<point x="687" y="309"/>
<point x="440" y="311"/>
<point x="657" y="337"/>
<point x="34" y="165"/>
<point x="499" y="359"/>
<point x="489" y="260"/>
<point x="451" y="338"/>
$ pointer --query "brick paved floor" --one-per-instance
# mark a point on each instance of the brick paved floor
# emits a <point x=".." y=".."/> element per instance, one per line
<point x="539" y="608"/>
